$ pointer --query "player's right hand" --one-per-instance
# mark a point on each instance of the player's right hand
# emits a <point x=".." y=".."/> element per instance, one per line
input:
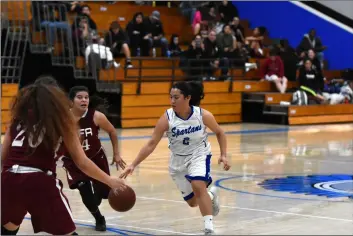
<point x="117" y="183"/>
<point x="128" y="171"/>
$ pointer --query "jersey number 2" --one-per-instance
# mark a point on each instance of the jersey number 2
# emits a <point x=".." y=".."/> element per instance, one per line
<point x="186" y="141"/>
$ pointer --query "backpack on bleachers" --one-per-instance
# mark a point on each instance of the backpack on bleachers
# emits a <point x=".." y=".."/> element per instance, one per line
<point x="300" y="98"/>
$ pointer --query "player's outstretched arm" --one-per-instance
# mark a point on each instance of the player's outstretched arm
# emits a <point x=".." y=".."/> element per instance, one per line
<point x="101" y="120"/>
<point x="74" y="147"/>
<point x="5" y="146"/>
<point x="211" y="123"/>
<point x="161" y="127"/>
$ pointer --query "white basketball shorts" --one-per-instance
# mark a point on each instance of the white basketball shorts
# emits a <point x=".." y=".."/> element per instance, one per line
<point x="196" y="168"/>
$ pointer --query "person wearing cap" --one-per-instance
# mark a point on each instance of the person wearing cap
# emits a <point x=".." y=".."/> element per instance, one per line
<point x="154" y="32"/>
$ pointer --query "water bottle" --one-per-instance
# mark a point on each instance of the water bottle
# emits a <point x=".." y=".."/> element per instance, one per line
<point x="138" y="52"/>
<point x="168" y="53"/>
<point x="154" y="52"/>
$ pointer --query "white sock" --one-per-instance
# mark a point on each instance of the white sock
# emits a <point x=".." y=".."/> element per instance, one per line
<point x="211" y="195"/>
<point x="208" y="222"/>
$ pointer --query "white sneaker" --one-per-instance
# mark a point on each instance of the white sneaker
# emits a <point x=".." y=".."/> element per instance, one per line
<point x="215" y="202"/>
<point x="209" y="232"/>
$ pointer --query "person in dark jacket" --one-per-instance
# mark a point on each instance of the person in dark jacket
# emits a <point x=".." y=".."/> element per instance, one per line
<point x="154" y="32"/>
<point x="117" y="40"/>
<point x="136" y="30"/>
<point x="227" y="11"/>
<point x="311" y="41"/>
<point x="174" y="47"/>
<point x="195" y="52"/>
<point x="85" y="13"/>
<point x="310" y="81"/>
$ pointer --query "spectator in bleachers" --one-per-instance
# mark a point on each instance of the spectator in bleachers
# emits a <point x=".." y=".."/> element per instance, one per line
<point x="344" y="96"/>
<point x="136" y="31"/>
<point x="208" y="15"/>
<point x="117" y="41"/>
<point x="44" y="16"/>
<point x="314" y="60"/>
<point x="273" y="70"/>
<point x="226" y="42"/>
<point x="188" y="9"/>
<point x="227" y="12"/>
<point x="155" y="33"/>
<point x="311" y="41"/>
<point x="238" y="30"/>
<point x="214" y="54"/>
<point x="197" y="22"/>
<point x="174" y="47"/>
<point x="289" y="58"/>
<point x="196" y="51"/>
<point x="85" y="12"/>
<point x="255" y="42"/>
<point x="83" y="35"/>
<point x="311" y="82"/>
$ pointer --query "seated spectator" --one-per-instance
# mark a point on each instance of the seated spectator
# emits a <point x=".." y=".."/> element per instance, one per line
<point x="136" y="30"/>
<point x="311" y="82"/>
<point x="226" y="42"/>
<point x="208" y="15"/>
<point x="227" y="12"/>
<point x="238" y="30"/>
<point x="214" y="55"/>
<point x="85" y="12"/>
<point x="289" y="59"/>
<point x="188" y="9"/>
<point x="83" y="36"/>
<point x="197" y="22"/>
<point x="273" y="70"/>
<point x="154" y="32"/>
<point x="311" y="41"/>
<point x="316" y="63"/>
<point x="174" y="47"/>
<point x="44" y="16"/>
<point x="255" y="42"/>
<point x="195" y="52"/>
<point x="117" y="41"/>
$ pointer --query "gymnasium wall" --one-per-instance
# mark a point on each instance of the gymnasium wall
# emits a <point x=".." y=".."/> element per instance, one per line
<point x="292" y="20"/>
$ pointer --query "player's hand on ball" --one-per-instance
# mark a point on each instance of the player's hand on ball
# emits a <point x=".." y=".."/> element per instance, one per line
<point x="118" y="162"/>
<point x="117" y="183"/>
<point x="226" y="164"/>
<point x="128" y="171"/>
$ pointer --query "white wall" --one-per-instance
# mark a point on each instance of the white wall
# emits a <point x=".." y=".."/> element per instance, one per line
<point x="343" y="7"/>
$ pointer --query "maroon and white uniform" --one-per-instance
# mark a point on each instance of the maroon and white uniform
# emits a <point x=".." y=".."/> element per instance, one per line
<point x="29" y="184"/>
<point x="89" y="134"/>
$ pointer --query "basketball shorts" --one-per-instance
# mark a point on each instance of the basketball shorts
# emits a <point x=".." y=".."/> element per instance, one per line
<point x="183" y="172"/>
<point x="75" y="176"/>
<point x="40" y="195"/>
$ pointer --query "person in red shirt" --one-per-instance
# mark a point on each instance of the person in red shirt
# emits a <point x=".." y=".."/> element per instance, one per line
<point x="273" y="70"/>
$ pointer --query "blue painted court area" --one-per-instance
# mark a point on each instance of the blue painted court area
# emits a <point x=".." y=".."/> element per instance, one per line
<point x="109" y="229"/>
<point x="326" y="186"/>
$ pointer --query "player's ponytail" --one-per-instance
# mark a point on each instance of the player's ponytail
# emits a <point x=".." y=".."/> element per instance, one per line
<point x="196" y="91"/>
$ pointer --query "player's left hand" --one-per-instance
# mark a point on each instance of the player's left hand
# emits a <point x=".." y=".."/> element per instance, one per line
<point x="226" y="164"/>
<point x="118" y="162"/>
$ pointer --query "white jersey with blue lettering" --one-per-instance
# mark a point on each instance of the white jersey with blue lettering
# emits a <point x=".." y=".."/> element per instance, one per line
<point x="187" y="137"/>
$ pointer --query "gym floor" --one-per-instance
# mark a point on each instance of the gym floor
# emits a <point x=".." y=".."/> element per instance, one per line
<point x="283" y="180"/>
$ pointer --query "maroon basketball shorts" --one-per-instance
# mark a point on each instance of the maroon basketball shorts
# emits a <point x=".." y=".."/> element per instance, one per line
<point x="75" y="176"/>
<point x="40" y="195"/>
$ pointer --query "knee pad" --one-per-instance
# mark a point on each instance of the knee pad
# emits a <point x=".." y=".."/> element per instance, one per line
<point x="5" y="231"/>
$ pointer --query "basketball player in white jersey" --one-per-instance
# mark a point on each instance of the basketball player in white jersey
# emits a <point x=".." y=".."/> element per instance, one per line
<point x="185" y="124"/>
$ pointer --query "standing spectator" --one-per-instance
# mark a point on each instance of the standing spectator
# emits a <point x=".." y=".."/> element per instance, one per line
<point x="311" y="82"/>
<point x="136" y="30"/>
<point x="155" y="33"/>
<point x="227" y="11"/>
<point x="311" y="41"/>
<point x="117" y="41"/>
<point x="273" y="70"/>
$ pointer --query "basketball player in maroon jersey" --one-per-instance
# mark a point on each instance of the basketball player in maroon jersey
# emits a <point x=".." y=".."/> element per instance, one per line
<point x="41" y="124"/>
<point x="90" y="122"/>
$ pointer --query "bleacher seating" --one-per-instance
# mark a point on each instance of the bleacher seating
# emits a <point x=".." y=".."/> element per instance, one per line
<point x="8" y="91"/>
<point x="144" y="99"/>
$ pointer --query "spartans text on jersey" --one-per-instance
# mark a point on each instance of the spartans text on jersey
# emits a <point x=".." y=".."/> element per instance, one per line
<point x="192" y="129"/>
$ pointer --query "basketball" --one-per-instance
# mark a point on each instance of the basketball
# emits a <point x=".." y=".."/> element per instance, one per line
<point x="122" y="200"/>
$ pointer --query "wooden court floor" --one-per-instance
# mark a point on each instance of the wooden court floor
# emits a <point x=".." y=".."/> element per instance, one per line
<point x="283" y="181"/>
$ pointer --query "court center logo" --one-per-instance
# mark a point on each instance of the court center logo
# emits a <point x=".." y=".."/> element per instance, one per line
<point x="330" y="186"/>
